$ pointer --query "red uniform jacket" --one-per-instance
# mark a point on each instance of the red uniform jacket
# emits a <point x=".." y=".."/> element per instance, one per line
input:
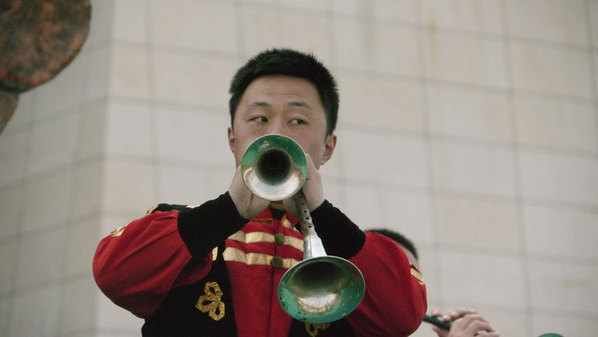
<point x="174" y="250"/>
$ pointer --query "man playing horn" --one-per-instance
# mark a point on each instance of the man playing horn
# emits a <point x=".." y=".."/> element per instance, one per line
<point x="213" y="269"/>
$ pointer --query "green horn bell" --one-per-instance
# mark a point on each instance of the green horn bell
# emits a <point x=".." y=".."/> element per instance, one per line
<point x="274" y="167"/>
<point x="321" y="289"/>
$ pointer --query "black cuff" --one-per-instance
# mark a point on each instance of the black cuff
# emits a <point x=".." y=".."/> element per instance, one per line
<point x="340" y="236"/>
<point x="205" y="227"/>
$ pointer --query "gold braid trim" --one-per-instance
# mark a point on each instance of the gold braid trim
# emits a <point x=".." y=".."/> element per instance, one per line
<point x="313" y="329"/>
<point x="211" y="302"/>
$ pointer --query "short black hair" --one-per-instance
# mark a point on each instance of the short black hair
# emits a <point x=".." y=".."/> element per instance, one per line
<point x="398" y="238"/>
<point x="291" y="63"/>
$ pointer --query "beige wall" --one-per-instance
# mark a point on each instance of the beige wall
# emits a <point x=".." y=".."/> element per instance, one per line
<point x="469" y="125"/>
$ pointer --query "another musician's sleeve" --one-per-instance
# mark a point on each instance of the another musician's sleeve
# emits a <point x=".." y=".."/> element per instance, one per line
<point x="137" y="265"/>
<point x="395" y="300"/>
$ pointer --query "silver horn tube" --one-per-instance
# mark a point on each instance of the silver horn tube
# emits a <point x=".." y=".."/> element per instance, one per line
<point x="321" y="288"/>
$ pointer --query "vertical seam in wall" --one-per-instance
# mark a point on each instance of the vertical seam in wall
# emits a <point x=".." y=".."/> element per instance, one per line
<point x="155" y="160"/>
<point x="78" y="163"/>
<point x="518" y="197"/>
<point x="101" y="157"/>
<point x="422" y="30"/>
<point x="70" y="224"/>
<point x="18" y="238"/>
<point x="240" y="23"/>
<point x="18" y="244"/>
<point x="593" y="59"/>
<point x="339" y="156"/>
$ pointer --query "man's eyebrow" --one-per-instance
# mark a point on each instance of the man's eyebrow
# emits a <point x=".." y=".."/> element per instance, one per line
<point x="258" y="104"/>
<point x="300" y="104"/>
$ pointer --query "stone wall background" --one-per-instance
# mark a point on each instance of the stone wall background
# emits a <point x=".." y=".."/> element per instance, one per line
<point x="469" y="126"/>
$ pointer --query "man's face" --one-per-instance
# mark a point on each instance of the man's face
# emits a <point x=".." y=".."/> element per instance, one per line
<point x="278" y="104"/>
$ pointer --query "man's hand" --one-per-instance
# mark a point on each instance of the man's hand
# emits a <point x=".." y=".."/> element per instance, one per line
<point x="312" y="190"/>
<point x="248" y="204"/>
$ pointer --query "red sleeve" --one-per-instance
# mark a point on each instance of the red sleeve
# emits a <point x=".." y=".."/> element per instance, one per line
<point x="395" y="301"/>
<point x="136" y="266"/>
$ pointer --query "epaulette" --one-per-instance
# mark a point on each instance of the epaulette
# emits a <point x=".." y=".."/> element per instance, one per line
<point x="168" y="208"/>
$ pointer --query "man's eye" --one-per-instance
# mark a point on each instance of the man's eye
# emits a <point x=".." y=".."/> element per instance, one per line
<point x="298" y="122"/>
<point x="260" y="119"/>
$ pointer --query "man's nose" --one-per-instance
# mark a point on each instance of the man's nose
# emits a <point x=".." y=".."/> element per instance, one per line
<point x="278" y="128"/>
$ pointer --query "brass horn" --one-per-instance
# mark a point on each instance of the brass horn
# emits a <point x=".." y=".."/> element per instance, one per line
<point x="274" y="167"/>
<point x="321" y="288"/>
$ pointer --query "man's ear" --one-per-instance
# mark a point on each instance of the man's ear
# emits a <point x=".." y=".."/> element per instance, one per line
<point x="231" y="139"/>
<point x="330" y="145"/>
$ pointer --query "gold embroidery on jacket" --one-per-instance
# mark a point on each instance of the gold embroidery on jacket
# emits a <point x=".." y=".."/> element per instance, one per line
<point x="215" y="253"/>
<point x="417" y="275"/>
<point x="151" y="210"/>
<point x="288" y="224"/>
<point x="118" y="231"/>
<point x="313" y="329"/>
<point x="211" y="302"/>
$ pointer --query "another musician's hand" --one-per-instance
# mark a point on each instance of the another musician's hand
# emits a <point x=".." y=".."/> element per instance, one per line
<point x="248" y="204"/>
<point x="465" y="323"/>
<point x="440" y="332"/>
<point x="452" y="314"/>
